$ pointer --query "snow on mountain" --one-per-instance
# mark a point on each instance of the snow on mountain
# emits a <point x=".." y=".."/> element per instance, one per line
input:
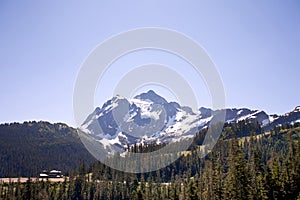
<point x="149" y="118"/>
<point x="146" y="118"/>
<point x="288" y="118"/>
<point x="235" y="115"/>
<point x="297" y="109"/>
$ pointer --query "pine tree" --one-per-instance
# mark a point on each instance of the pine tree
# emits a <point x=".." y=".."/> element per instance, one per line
<point x="27" y="192"/>
<point x="257" y="185"/>
<point x="237" y="176"/>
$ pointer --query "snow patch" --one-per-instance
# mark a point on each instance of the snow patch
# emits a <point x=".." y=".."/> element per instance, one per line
<point x="250" y="116"/>
<point x="297" y="109"/>
<point x="265" y="122"/>
<point x="272" y="118"/>
<point x="240" y="112"/>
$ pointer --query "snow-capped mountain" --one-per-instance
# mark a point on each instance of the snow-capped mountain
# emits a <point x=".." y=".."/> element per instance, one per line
<point x="146" y="118"/>
<point x="288" y="118"/>
<point x="149" y="118"/>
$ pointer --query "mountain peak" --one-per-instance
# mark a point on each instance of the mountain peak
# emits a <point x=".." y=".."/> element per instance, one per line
<point x="118" y="98"/>
<point x="152" y="96"/>
<point x="151" y="92"/>
<point x="297" y="109"/>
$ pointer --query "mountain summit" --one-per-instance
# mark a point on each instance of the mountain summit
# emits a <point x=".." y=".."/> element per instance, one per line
<point x="151" y="96"/>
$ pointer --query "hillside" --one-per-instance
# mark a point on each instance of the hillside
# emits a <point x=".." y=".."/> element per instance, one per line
<point x="28" y="148"/>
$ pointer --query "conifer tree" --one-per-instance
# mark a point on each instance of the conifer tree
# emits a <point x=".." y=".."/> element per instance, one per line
<point x="237" y="177"/>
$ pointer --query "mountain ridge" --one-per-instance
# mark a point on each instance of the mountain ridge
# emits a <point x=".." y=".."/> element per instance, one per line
<point x="149" y="118"/>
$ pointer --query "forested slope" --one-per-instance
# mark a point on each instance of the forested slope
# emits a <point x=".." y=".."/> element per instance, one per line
<point x="28" y="148"/>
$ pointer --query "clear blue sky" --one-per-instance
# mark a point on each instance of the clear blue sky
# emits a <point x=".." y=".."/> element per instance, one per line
<point x="255" y="45"/>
